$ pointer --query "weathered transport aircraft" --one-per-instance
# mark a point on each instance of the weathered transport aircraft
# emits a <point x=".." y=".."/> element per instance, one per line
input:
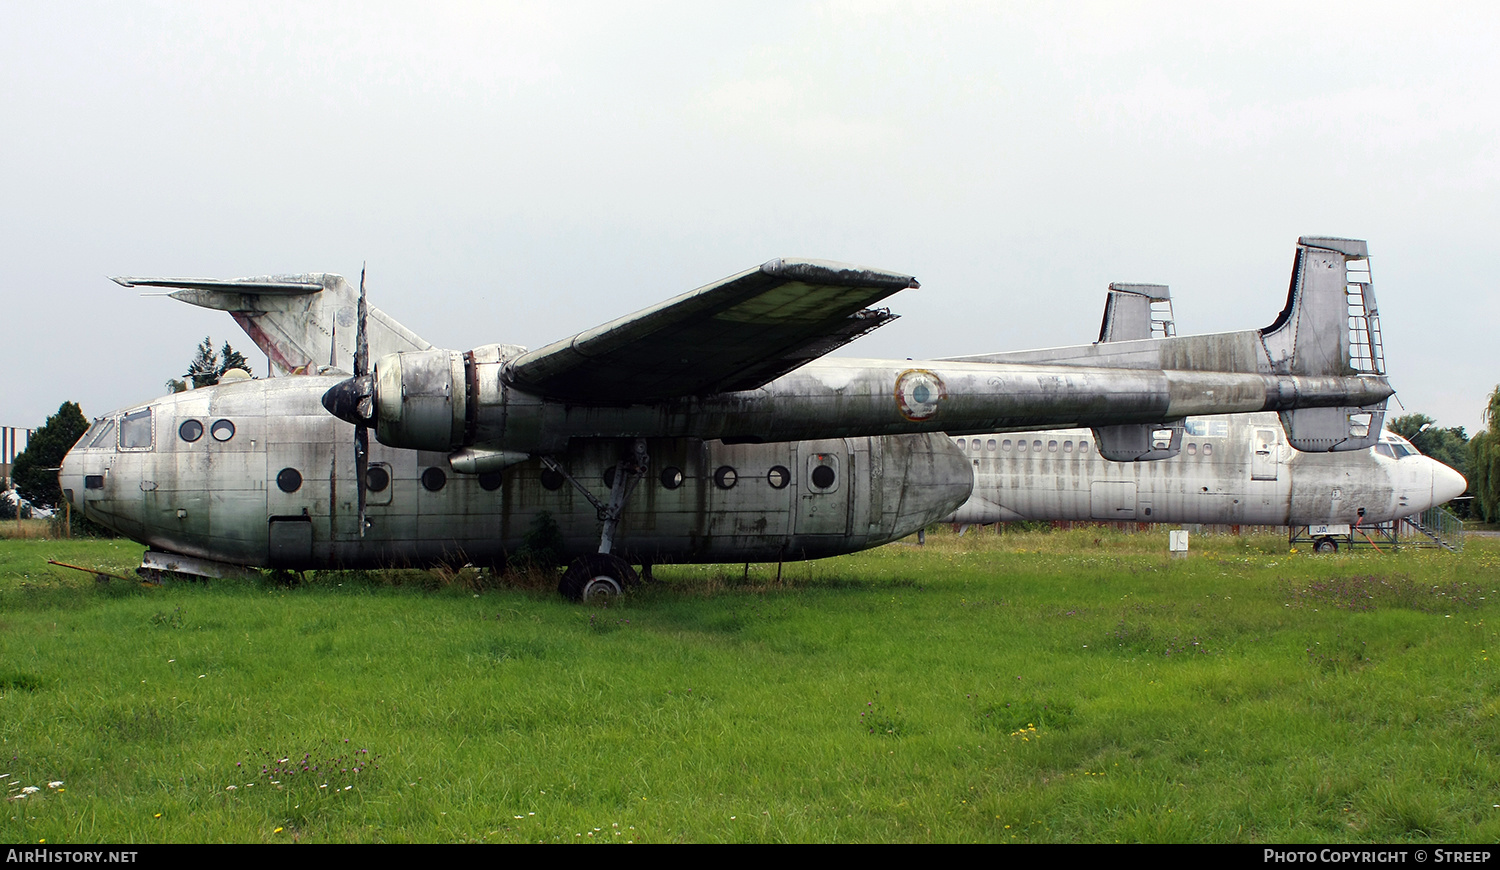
<point x="764" y="451"/>
<point x="1231" y="469"/>
<point x="1236" y="469"/>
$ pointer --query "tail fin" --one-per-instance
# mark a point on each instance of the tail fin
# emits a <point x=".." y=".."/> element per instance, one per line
<point x="1138" y="311"/>
<point x="1134" y="311"/>
<point x="1330" y="326"/>
<point x="1321" y="357"/>
<point x="301" y="322"/>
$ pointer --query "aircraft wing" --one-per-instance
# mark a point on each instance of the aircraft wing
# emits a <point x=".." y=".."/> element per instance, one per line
<point x="736" y="334"/>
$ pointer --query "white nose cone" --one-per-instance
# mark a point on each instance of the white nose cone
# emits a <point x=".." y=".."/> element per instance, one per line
<point x="1447" y="484"/>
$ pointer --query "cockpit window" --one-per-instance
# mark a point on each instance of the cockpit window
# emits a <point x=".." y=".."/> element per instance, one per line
<point x="1395" y="446"/>
<point x="136" y="430"/>
<point x="102" y="432"/>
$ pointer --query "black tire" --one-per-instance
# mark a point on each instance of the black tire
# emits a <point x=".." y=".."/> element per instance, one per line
<point x="597" y="578"/>
<point x="1325" y="545"/>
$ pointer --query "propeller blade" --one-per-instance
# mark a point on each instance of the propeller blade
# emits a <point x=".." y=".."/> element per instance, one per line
<point x="361" y="395"/>
<point x="361" y="338"/>
<point x="361" y="469"/>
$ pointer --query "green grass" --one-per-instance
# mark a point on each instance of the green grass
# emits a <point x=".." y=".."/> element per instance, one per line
<point x="1077" y="686"/>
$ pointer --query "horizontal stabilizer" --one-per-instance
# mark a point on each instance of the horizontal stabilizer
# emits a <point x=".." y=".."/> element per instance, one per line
<point x="288" y="285"/>
<point x="301" y="322"/>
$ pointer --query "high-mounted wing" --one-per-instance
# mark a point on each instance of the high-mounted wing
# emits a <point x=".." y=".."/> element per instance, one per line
<point x="736" y="334"/>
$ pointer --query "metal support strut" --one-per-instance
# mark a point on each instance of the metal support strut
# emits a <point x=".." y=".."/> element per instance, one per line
<point x="628" y="472"/>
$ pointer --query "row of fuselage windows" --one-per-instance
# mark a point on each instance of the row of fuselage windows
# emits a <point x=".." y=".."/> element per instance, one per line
<point x="1052" y="445"/>
<point x="1006" y="445"/>
<point x="378" y="477"/>
<point x="137" y="431"/>
<point x="823" y="477"/>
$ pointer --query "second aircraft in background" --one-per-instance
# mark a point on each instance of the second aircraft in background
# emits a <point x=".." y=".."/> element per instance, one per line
<point x="1231" y="469"/>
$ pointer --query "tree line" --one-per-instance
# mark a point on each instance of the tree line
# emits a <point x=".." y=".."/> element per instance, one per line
<point x="1484" y="463"/>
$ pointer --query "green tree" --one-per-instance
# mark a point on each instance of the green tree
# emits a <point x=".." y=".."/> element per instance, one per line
<point x="208" y="366"/>
<point x="1484" y="463"/>
<point x="1449" y="446"/>
<point x="35" y="469"/>
<point x="229" y="358"/>
<point x="203" y="371"/>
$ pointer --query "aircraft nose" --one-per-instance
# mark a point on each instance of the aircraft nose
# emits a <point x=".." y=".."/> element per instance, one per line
<point x="70" y="479"/>
<point x="1447" y="484"/>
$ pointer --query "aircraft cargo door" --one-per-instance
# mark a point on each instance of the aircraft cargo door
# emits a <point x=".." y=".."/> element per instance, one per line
<point x="824" y="489"/>
<point x="1112" y="500"/>
<point x="1264" y="458"/>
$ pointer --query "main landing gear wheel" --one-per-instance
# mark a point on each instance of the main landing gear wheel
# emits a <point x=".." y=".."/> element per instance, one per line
<point x="1325" y="545"/>
<point x="597" y="578"/>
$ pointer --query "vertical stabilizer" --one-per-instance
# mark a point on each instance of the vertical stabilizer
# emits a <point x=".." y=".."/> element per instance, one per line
<point x="1131" y="312"/>
<point x="1330" y="326"/>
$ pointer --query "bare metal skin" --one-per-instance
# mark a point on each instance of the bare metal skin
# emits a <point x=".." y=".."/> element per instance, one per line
<point x="705" y="428"/>
<point x="1234" y="470"/>
<point x="220" y="500"/>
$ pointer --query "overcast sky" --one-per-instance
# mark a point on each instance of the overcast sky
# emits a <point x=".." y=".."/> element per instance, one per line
<point x="516" y="173"/>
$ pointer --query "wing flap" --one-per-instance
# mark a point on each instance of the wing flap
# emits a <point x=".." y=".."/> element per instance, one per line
<point x="736" y="334"/>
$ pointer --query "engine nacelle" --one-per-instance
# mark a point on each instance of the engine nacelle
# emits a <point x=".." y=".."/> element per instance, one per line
<point x="421" y="400"/>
